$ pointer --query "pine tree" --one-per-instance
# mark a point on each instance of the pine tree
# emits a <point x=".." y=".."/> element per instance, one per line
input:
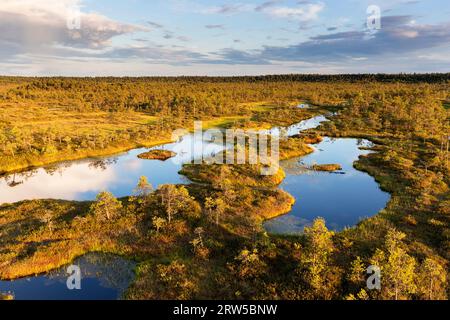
<point x="432" y="280"/>
<point x="316" y="257"/>
<point x="158" y="223"/>
<point x="143" y="190"/>
<point x="176" y="200"/>
<point x="398" y="269"/>
<point x="106" y="205"/>
<point x="216" y="207"/>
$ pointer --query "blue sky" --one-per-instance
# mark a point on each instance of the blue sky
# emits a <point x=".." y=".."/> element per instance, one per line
<point x="199" y="37"/>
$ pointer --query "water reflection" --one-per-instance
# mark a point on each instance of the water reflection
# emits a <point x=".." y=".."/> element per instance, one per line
<point x="104" y="277"/>
<point x="343" y="198"/>
<point x="84" y="179"/>
<point x="296" y="128"/>
<point x="75" y="182"/>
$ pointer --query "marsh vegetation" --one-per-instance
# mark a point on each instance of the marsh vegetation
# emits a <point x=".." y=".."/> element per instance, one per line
<point x="206" y="239"/>
<point x="162" y="155"/>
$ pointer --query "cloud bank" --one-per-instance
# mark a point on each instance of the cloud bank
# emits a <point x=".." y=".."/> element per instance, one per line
<point x="35" y="39"/>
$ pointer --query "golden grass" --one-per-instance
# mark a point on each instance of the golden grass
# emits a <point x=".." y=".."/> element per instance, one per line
<point x="293" y="148"/>
<point x="327" y="167"/>
<point x="30" y="248"/>
<point x="222" y="122"/>
<point x="21" y="162"/>
<point x="6" y="297"/>
<point x="162" y="155"/>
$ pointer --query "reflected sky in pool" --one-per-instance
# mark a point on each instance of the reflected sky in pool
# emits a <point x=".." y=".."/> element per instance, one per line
<point x="342" y="198"/>
<point x="84" y="179"/>
<point x="298" y="127"/>
<point x="104" y="277"/>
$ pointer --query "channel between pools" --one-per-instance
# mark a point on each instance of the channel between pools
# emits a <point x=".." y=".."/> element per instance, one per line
<point x="343" y="198"/>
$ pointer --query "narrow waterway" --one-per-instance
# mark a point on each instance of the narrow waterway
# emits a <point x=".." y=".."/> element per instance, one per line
<point x="342" y="198"/>
<point x="84" y="179"/>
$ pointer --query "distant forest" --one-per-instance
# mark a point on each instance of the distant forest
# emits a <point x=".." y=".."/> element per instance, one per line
<point x="367" y="77"/>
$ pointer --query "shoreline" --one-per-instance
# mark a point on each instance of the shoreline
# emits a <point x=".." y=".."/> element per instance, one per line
<point x="30" y="162"/>
<point x="262" y="216"/>
<point x="91" y="154"/>
<point x="78" y="251"/>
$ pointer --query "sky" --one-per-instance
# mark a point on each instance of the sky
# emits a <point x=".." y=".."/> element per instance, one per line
<point x="222" y="38"/>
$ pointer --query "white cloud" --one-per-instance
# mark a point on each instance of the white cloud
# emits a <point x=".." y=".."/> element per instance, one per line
<point x="227" y="9"/>
<point x="305" y="13"/>
<point x="406" y="33"/>
<point x="76" y="180"/>
<point x="39" y="8"/>
<point x="35" y="40"/>
<point x="29" y="26"/>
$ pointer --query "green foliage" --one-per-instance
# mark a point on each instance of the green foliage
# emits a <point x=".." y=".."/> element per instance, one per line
<point x="106" y="206"/>
<point x="174" y="281"/>
<point x="357" y="272"/>
<point x="315" y="263"/>
<point x="215" y="207"/>
<point x="432" y="280"/>
<point x="248" y="264"/>
<point x="159" y="223"/>
<point x="176" y="200"/>
<point x="185" y="255"/>
<point x="397" y="267"/>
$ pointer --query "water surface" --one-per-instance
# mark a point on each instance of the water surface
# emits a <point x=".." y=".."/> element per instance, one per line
<point x="104" y="277"/>
<point x="342" y="198"/>
<point x="119" y="174"/>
